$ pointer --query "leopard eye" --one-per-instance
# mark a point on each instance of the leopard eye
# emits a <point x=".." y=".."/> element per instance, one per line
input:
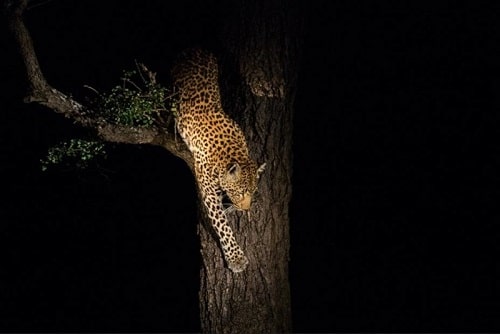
<point x="238" y="197"/>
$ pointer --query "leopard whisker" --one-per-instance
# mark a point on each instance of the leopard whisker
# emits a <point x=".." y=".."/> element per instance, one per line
<point x="231" y="208"/>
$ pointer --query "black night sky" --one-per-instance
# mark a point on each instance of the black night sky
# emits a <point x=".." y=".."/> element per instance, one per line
<point x="394" y="213"/>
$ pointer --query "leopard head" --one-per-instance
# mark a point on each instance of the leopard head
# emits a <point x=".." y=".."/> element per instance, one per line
<point x="239" y="181"/>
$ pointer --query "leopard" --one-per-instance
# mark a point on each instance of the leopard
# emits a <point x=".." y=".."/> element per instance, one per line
<point x="223" y="167"/>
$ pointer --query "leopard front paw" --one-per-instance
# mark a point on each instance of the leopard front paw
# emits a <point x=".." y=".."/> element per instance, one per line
<point x="238" y="263"/>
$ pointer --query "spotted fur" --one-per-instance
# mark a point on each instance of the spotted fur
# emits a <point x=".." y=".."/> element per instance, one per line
<point x="223" y="166"/>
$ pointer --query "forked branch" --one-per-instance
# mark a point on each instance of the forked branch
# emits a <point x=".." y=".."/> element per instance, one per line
<point x="39" y="91"/>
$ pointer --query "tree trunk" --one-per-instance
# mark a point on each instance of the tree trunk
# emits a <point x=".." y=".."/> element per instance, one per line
<point x="262" y="41"/>
<point x="258" y="299"/>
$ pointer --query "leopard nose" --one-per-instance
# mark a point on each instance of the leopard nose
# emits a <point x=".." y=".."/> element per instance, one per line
<point x="245" y="202"/>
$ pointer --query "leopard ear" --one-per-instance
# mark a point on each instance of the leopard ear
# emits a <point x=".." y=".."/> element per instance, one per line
<point x="233" y="170"/>
<point x="261" y="169"/>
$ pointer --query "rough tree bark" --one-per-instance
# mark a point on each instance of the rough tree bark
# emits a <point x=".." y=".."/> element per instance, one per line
<point x="261" y="46"/>
<point x="262" y="41"/>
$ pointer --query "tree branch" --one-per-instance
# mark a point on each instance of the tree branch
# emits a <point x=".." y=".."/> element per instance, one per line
<point x="42" y="93"/>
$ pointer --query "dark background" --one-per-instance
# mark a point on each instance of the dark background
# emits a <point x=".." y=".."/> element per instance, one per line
<point x="394" y="211"/>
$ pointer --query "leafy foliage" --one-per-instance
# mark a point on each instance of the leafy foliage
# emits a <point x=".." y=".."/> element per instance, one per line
<point x="138" y="101"/>
<point x="75" y="151"/>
